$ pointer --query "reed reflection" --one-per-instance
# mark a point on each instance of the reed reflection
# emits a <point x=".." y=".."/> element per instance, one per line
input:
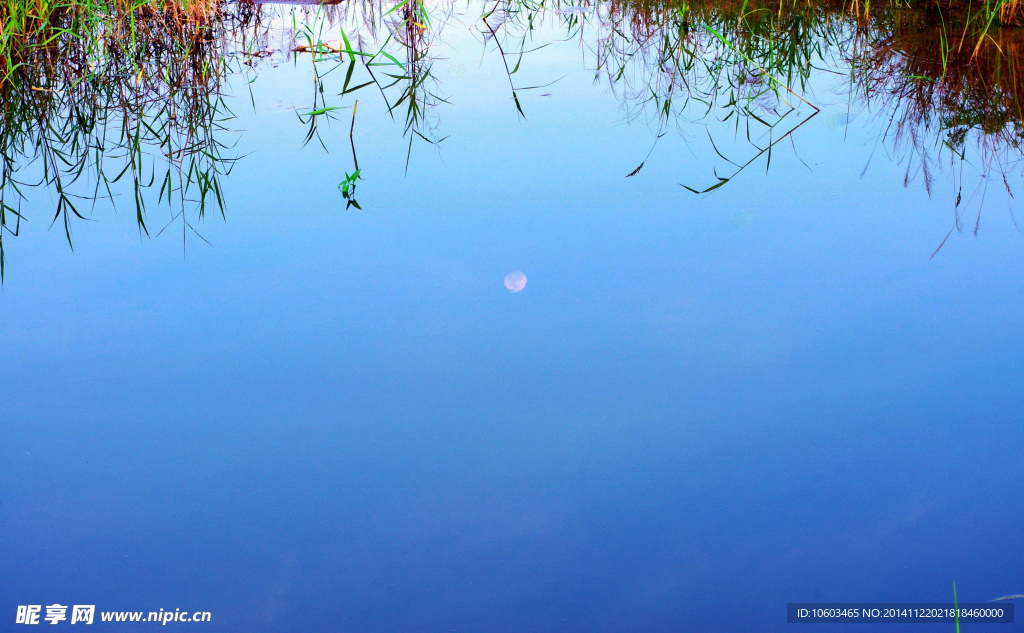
<point x="135" y="97"/>
<point x="127" y="102"/>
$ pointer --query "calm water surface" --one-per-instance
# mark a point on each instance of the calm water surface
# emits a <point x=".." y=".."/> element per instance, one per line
<point x="693" y="410"/>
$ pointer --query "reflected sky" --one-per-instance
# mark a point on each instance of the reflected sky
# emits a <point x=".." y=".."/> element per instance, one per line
<point x="703" y="407"/>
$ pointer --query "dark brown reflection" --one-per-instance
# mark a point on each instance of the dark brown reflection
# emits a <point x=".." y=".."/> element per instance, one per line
<point x="942" y="79"/>
<point x="949" y="103"/>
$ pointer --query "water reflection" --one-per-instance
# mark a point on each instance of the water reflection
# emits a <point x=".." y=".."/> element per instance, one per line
<point x="949" y="105"/>
<point x="120" y="109"/>
<point x="143" y="107"/>
<point x="515" y="281"/>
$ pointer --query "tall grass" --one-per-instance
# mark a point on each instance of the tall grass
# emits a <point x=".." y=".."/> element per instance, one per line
<point x="94" y="93"/>
<point x="30" y="25"/>
<point x="119" y="92"/>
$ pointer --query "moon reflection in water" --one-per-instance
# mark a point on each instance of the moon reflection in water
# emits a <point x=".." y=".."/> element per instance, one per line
<point x="515" y="280"/>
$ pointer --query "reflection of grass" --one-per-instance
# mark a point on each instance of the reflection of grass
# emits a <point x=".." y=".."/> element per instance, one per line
<point x="945" y="77"/>
<point x="949" y="106"/>
<point x="98" y="94"/>
<point x="30" y="25"/>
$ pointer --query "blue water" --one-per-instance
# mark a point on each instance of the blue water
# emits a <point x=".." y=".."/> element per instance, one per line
<point x="697" y="410"/>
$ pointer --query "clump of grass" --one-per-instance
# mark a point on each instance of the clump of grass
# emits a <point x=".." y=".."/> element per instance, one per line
<point x="946" y="77"/>
<point x="120" y="91"/>
<point x="97" y="92"/>
<point x="34" y="26"/>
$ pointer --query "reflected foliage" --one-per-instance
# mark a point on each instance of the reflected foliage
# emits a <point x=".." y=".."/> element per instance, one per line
<point x="133" y="92"/>
<point x="134" y="100"/>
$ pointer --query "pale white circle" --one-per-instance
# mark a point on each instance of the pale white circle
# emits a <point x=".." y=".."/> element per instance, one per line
<point x="515" y="280"/>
